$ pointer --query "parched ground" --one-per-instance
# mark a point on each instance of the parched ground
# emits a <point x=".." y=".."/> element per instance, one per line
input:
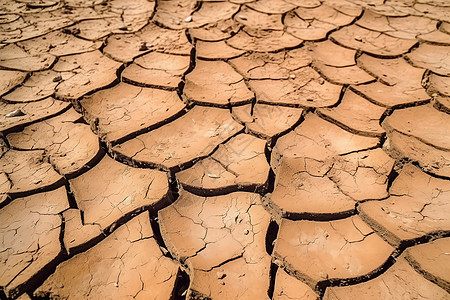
<point x="241" y="149"/>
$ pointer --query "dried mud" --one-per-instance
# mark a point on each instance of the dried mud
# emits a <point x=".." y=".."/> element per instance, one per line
<point x="231" y="149"/>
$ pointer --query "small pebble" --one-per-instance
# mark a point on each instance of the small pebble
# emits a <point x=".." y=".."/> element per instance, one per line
<point x="221" y="275"/>
<point x="15" y="113"/>
<point x="143" y="46"/>
<point x="57" y="78"/>
<point x="188" y="19"/>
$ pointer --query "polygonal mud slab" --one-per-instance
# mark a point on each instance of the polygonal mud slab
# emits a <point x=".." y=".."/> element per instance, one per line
<point x="30" y="228"/>
<point x="157" y="70"/>
<point x="442" y="103"/>
<point x="79" y="235"/>
<point x="334" y="250"/>
<point x="272" y="6"/>
<point x="180" y="14"/>
<point x="396" y="96"/>
<point x="215" y="32"/>
<point x="319" y="141"/>
<point x="151" y="38"/>
<point x="356" y="115"/>
<point x="392" y="72"/>
<point x="267" y="121"/>
<point x="98" y="29"/>
<point x="331" y="54"/>
<point x="301" y="195"/>
<point x="10" y="79"/>
<point x="309" y="30"/>
<point x="34" y="21"/>
<point x="372" y="42"/>
<point x="399" y="282"/>
<point x="13" y="116"/>
<point x="212" y="12"/>
<point x="393" y="9"/>
<point x="117" y="17"/>
<point x="438" y="11"/>
<point x="423" y="134"/>
<point x="305" y="87"/>
<point x="206" y="232"/>
<point x="190" y="137"/>
<point x="343" y="75"/>
<point x="314" y="23"/>
<point x="435" y="37"/>
<point x="439" y="84"/>
<point x="14" y="57"/>
<point x="58" y="43"/>
<point x="123" y="191"/>
<point x="5" y="186"/>
<point x="417" y="207"/>
<point x="289" y="287"/>
<point x="38" y="86"/>
<point x="125" y="110"/>
<point x="28" y="172"/>
<point x="399" y="83"/>
<point x="433" y="57"/>
<point x="407" y="27"/>
<point x="216" y="50"/>
<point x="127" y="264"/>
<point x="424" y="123"/>
<point x="363" y="175"/>
<point x="429" y="157"/>
<point x="216" y="83"/>
<point x="337" y="64"/>
<point x="238" y="164"/>
<point x="345" y="7"/>
<point x="326" y="13"/>
<point x="89" y="72"/>
<point x="432" y="261"/>
<point x="257" y="20"/>
<point x="236" y="279"/>
<point x="279" y="65"/>
<point x="69" y="144"/>
<point x="263" y="41"/>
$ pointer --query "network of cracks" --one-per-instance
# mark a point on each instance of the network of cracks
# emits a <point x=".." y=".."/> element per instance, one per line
<point x="241" y="149"/>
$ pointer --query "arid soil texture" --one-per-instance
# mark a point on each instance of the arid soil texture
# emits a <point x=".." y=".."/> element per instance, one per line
<point x="241" y="149"/>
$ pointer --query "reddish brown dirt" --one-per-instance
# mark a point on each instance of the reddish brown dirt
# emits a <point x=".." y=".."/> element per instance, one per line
<point x="225" y="149"/>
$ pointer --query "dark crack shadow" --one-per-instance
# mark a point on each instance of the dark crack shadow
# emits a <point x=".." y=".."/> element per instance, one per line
<point x="181" y="286"/>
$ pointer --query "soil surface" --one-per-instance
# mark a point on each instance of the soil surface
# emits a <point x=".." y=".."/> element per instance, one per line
<point x="225" y="149"/>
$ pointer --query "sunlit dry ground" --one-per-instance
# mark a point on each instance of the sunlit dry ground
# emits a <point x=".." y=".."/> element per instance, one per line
<point x="249" y="149"/>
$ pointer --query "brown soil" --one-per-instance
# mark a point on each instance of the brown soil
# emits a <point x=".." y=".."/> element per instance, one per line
<point x="225" y="149"/>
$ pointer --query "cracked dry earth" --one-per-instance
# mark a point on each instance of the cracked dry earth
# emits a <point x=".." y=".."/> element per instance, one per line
<point x="241" y="149"/>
